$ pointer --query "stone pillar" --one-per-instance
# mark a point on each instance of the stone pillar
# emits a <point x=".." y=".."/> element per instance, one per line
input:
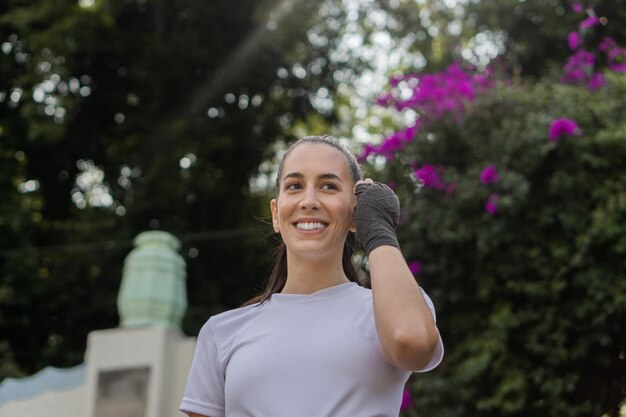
<point x="153" y="289"/>
<point x="139" y="369"/>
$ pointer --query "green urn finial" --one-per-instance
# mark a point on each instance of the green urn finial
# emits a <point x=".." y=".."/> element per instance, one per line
<point x="153" y="288"/>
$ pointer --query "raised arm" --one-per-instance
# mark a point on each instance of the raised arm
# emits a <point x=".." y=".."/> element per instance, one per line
<point x="406" y="328"/>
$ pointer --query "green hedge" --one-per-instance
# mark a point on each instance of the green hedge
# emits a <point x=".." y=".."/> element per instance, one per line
<point x="531" y="299"/>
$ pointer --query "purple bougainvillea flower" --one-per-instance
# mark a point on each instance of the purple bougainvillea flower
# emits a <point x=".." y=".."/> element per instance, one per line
<point x="439" y="93"/>
<point x="615" y="55"/>
<point x="406" y="400"/>
<point x="579" y="67"/>
<point x="410" y="132"/>
<point x="491" y="205"/>
<point x="589" y="22"/>
<point x="489" y="175"/>
<point x="391" y="144"/>
<point x="578" y="7"/>
<point x="607" y="44"/>
<point x="432" y="96"/>
<point x="384" y="99"/>
<point x="415" y="267"/>
<point x="562" y="127"/>
<point x="429" y="175"/>
<point x="618" y="67"/>
<point x="596" y="81"/>
<point x="367" y="151"/>
<point x="573" y="40"/>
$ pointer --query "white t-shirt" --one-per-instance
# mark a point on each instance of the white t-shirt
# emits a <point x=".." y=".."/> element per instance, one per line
<point x="297" y="355"/>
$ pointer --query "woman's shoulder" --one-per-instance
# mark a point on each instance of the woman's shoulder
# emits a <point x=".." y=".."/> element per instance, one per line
<point x="230" y="320"/>
<point x="362" y="293"/>
<point x="362" y="290"/>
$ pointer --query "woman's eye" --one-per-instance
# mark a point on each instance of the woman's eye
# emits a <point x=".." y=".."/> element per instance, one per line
<point x="292" y="186"/>
<point x="329" y="186"/>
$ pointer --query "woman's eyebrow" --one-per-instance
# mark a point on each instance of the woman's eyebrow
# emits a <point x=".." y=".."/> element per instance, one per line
<point x="329" y="176"/>
<point x="294" y="175"/>
<point x="325" y="176"/>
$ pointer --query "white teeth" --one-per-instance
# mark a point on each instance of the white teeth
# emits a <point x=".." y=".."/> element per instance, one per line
<point x="310" y="226"/>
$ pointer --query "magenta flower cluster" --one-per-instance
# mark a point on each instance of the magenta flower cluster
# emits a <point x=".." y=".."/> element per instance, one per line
<point x="406" y="400"/>
<point x="574" y="40"/>
<point x="489" y="175"/>
<point x="615" y="55"/>
<point x="491" y="205"/>
<point x="392" y="143"/>
<point x="589" y="22"/>
<point x="415" y="267"/>
<point x="430" y="177"/>
<point x="580" y="68"/>
<point x="437" y="95"/>
<point x="432" y="96"/>
<point x="562" y="127"/>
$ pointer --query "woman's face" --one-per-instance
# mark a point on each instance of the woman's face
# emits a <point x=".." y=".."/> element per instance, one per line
<point x="315" y="205"/>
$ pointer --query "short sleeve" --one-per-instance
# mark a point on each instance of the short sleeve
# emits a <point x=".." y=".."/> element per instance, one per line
<point x="438" y="355"/>
<point x="204" y="393"/>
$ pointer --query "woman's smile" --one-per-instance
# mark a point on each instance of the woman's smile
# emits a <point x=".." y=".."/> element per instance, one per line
<point x="310" y="225"/>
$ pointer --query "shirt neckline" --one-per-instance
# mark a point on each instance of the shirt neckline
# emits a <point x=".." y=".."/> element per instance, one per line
<point x="319" y="294"/>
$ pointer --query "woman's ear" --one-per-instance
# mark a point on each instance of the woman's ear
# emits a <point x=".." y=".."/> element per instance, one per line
<point x="273" y="208"/>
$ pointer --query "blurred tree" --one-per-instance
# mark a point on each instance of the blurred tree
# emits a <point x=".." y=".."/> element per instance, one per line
<point x="117" y="117"/>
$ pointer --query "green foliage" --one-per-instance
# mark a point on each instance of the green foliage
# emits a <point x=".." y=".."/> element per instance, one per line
<point x="531" y="300"/>
<point x="124" y="91"/>
<point x="535" y="31"/>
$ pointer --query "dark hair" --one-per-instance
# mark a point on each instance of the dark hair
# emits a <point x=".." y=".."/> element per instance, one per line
<point x="278" y="276"/>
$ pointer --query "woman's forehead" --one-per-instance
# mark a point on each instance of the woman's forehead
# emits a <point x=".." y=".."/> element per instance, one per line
<point x="312" y="157"/>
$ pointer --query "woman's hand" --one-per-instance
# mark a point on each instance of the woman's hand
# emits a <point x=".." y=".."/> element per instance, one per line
<point x="376" y="215"/>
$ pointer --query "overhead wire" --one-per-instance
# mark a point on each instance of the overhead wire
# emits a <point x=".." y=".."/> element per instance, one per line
<point x="110" y="245"/>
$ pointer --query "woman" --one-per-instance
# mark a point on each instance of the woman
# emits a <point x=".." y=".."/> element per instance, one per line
<point x="317" y="343"/>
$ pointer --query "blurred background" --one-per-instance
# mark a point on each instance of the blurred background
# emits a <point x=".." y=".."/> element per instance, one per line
<point x="500" y="124"/>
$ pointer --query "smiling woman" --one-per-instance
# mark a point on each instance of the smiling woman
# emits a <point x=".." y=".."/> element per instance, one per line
<point x="313" y="213"/>
<point x="317" y="342"/>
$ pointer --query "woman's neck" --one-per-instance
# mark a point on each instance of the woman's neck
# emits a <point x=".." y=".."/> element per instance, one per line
<point x="306" y="276"/>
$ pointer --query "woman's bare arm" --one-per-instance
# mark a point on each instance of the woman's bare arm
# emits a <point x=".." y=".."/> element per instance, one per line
<point x="406" y="328"/>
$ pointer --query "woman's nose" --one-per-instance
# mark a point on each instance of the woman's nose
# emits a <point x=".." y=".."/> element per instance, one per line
<point x="309" y="200"/>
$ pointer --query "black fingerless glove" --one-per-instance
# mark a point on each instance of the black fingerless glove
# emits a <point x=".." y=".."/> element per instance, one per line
<point x="376" y="216"/>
